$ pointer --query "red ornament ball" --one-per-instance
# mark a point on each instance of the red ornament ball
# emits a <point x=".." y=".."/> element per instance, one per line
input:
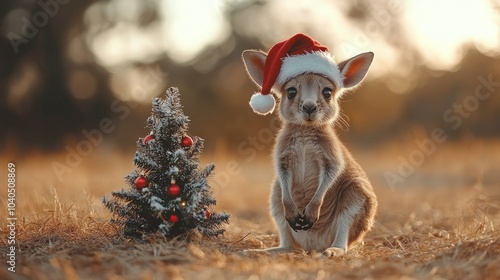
<point x="148" y="138"/>
<point x="173" y="218"/>
<point x="186" y="142"/>
<point x="208" y="214"/>
<point x="140" y="182"/>
<point x="173" y="191"/>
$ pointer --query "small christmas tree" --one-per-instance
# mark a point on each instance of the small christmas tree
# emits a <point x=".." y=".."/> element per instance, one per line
<point x="168" y="193"/>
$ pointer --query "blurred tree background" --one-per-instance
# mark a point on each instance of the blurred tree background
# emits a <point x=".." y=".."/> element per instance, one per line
<point x="67" y="65"/>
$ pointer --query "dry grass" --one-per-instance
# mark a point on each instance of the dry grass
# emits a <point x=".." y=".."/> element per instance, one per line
<point x="448" y="231"/>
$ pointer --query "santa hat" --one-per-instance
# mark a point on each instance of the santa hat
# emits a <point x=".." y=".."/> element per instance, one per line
<point x="298" y="55"/>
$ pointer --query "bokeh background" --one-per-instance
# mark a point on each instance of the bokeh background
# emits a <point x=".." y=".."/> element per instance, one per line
<point x="65" y="66"/>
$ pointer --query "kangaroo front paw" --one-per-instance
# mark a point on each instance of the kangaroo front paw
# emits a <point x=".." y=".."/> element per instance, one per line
<point x="300" y="222"/>
<point x="308" y="222"/>
<point x="293" y="217"/>
<point x="296" y="223"/>
<point x="310" y="217"/>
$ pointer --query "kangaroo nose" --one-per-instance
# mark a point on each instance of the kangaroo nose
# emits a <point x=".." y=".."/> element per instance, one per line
<point x="309" y="108"/>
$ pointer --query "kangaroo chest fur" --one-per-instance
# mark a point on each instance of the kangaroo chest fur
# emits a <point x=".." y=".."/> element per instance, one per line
<point x="305" y="152"/>
<point x="305" y="157"/>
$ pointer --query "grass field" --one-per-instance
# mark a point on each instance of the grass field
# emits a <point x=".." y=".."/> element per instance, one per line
<point x="442" y="222"/>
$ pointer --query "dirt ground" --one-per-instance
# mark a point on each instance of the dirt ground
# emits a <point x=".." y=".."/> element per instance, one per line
<point x="441" y="222"/>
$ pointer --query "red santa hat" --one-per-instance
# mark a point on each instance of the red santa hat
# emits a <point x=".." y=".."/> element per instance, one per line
<point x="298" y="55"/>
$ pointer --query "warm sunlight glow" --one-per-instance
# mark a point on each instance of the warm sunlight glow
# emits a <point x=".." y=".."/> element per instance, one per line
<point x="191" y="25"/>
<point x="441" y="28"/>
<point x="127" y="43"/>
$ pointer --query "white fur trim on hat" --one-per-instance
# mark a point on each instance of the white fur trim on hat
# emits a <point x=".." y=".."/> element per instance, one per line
<point x="312" y="62"/>
<point x="262" y="104"/>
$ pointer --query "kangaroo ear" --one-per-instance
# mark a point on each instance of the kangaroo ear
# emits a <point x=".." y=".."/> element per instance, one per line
<point x="355" y="68"/>
<point x="254" y="64"/>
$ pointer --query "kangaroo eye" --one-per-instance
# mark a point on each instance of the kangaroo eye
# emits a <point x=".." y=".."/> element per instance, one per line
<point x="327" y="93"/>
<point x="291" y="91"/>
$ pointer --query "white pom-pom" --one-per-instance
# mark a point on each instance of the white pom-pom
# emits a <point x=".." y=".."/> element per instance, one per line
<point x="262" y="104"/>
